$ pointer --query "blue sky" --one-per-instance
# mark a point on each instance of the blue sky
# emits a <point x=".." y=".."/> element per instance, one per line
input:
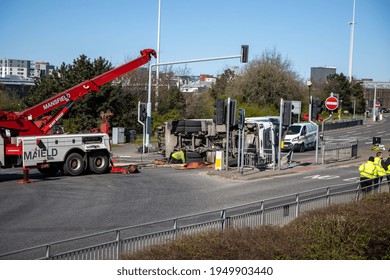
<point x="309" y="33"/>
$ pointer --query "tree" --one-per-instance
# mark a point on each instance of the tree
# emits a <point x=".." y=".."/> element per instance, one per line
<point x="265" y="80"/>
<point x="171" y="99"/>
<point x="9" y="100"/>
<point x="85" y="113"/>
<point x="199" y="106"/>
<point x="134" y="88"/>
<point x="348" y="92"/>
<point x="358" y="97"/>
<point x="219" y="88"/>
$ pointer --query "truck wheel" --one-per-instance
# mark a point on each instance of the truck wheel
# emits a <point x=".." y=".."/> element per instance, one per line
<point x="74" y="165"/>
<point x="98" y="162"/>
<point x="302" y="148"/>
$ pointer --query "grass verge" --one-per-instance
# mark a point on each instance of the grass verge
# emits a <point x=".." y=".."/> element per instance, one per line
<point x="359" y="230"/>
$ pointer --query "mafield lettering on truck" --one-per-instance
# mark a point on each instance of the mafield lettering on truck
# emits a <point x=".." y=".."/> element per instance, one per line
<point x="30" y="155"/>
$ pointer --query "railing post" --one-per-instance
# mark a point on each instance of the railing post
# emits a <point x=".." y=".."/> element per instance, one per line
<point x="223" y="217"/>
<point x="297" y="205"/>
<point x="175" y="229"/>
<point x="358" y="191"/>
<point x="262" y="213"/>
<point x="327" y="196"/>
<point x="118" y="244"/>
<point x="47" y="251"/>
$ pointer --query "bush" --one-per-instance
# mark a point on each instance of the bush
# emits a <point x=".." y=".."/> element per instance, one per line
<point x="358" y="230"/>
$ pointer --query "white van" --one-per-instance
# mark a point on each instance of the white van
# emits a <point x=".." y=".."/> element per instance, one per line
<point x="300" y="136"/>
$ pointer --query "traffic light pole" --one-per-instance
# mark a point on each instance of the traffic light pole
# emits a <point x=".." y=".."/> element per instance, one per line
<point x="227" y="134"/>
<point x="313" y="123"/>
<point x="280" y="131"/>
<point x="143" y="127"/>
<point x="323" y="140"/>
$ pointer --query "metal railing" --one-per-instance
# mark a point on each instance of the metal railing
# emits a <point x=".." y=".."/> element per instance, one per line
<point x="339" y="149"/>
<point x="258" y="159"/>
<point x="342" y="124"/>
<point x="112" y="244"/>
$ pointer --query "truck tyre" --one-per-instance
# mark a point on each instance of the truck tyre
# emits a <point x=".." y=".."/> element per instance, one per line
<point x="193" y="157"/>
<point x="74" y="165"/>
<point x="302" y="148"/>
<point x="98" y="162"/>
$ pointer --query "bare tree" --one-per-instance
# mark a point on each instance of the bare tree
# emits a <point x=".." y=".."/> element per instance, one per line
<point x="265" y="80"/>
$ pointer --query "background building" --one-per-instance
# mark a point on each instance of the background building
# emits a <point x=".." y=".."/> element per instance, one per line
<point x="382" y="93"/>
<point x="318" y="75"/>
<point x="15" y="67"/>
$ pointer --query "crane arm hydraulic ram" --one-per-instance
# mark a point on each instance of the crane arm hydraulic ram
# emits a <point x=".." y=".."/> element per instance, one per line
<point x="23" y="121"/>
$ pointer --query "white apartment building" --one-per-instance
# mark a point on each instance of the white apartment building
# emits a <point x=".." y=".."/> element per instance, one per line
<point x="15" y="67"/>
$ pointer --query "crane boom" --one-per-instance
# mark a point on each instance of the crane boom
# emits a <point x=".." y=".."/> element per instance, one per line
<point x="22" y="122"/>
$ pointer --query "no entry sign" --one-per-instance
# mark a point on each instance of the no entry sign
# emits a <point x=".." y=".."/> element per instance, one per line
<point x="331" y="103"/>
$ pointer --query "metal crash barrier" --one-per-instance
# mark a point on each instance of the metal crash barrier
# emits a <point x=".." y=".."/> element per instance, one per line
<point x="112" y="244"/>
<point x="258" y="159"/>
<point x="338" y="150"/>
<point x="342" y="124"/>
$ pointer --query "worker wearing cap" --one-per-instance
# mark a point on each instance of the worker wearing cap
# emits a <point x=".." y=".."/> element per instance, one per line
<point x="368" y="172"/>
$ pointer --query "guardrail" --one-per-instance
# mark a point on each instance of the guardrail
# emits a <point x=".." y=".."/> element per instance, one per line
<point x="258" y="158"/>
<point x="342" y="124"/>
<point x="112" y="244"/>
<point x="339" y="149"/>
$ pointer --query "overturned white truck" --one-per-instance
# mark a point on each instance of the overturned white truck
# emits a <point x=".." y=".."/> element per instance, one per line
<point x="201" y="138"/>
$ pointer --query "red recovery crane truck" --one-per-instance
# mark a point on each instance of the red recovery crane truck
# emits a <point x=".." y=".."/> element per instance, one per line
<point x="26" y="142"/>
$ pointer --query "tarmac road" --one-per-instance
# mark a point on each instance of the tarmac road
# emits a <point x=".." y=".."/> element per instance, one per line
<point x="52" y="209"/>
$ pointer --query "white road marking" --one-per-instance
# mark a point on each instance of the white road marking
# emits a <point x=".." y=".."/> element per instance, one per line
<point x="322" y="177"/>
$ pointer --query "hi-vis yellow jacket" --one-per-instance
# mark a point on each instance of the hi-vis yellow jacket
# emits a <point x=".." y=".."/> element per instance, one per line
<point x="179" y="155"/>
<point x="379" y="168"/>
<point x="368" y="170"/>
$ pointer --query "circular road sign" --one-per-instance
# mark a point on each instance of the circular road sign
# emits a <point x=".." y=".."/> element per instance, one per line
<point x="331" y="103"/>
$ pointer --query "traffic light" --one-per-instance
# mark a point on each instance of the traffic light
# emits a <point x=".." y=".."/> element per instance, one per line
<point x="142" y="112"/>
<point x="219" y="113"/>
<point x="244" y="53"/>
<point x="232" y="111"/>
<point x="317" y="107"/>
<point x="241" y="118"/>
<point x="287" y="113"/>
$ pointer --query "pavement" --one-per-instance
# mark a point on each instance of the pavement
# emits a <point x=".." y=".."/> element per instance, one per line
<point x="128" y="154"/>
